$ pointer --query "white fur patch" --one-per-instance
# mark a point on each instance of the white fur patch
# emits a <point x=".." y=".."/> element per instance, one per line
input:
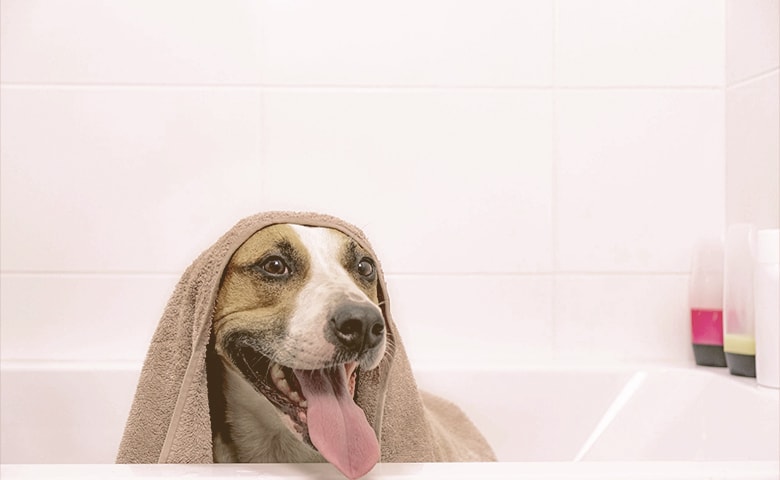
<point x="329" y="284"/>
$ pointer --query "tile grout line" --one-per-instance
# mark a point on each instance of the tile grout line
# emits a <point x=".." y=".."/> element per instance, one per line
<point x="724" y="108"/>
<point x="89" y="273"/>
<point x="554" y="341"/>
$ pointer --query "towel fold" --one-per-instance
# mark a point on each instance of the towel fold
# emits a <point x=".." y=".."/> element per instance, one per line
<point x="169" y="420"/>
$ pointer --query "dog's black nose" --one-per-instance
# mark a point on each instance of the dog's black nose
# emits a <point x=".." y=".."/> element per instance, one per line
<point x="358" y="327"/>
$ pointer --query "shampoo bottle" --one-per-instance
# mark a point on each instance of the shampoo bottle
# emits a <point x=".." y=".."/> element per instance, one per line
<point x="766" y="292"/>
<point x="705" y="301"/>
<point x="739" y="342"/>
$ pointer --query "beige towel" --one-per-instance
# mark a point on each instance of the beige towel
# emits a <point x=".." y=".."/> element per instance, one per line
<point x="169" y="420"/>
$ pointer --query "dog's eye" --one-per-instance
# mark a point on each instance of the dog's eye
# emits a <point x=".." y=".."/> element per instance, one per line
<point x="365" y="267"/>
<point x="275" y="266"/>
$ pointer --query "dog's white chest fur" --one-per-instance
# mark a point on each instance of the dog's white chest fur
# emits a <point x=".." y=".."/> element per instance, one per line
<point x="260" y="434"/>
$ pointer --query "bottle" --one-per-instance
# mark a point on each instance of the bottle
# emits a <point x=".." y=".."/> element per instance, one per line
<point x="766" y="294"/>
<point x="705" y="301"/>
<point x="739" y="342"/>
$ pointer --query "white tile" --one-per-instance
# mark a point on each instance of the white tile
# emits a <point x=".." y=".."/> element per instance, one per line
<point x="622" y="318"/>
<point x="409" y="42"/>
<point x="441" y="181"/>
<point x="752" y="38"/>
<point x="144" y="41"/>
<point x="640" y="178"/>
<point x="639" y="43"/>
<point x="65" y="415"/>
<point x="473" y="320"/>
<point x="124" y="179"/>
<point x="81" y="317"/>
<point x="753" y="152"/>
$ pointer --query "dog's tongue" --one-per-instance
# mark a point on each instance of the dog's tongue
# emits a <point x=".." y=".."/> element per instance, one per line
<point x="337" y="426"/>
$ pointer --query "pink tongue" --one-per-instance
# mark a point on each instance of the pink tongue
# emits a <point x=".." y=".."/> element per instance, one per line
<point x="337" y="426"/>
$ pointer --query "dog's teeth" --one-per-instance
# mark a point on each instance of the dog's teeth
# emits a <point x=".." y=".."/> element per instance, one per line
<point x="276" y="372"/>
<point x="303" y="403"/>
<point x="280" y="380"/>
<point x="283" y="386"/>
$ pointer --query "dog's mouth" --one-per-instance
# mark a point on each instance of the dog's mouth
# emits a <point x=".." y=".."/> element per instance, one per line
<point x="289" y="396"/>
<point x="320" y="405"/>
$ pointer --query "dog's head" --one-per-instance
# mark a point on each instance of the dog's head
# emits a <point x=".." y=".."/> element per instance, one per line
<point x="298" y="315"/>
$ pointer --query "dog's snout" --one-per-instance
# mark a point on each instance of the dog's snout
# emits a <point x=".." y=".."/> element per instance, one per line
<point x="358" y="327"/>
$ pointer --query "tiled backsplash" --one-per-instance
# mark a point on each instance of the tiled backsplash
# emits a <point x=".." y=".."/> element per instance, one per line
<point x="752" y="117"/>
<point x="532" y="174"/>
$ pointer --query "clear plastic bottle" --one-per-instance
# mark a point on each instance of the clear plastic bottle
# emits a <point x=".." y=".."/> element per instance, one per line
<point x="705" y="301"/>
<point x="739" y="341"/>
<point x="766" y="292"/>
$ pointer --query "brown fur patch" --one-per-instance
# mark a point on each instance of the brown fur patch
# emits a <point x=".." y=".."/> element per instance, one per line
<point x="250" y="301"/>
<point x="351" y="254"/>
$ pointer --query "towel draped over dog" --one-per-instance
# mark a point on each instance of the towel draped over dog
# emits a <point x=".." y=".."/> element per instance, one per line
<point x="169" y="420"/>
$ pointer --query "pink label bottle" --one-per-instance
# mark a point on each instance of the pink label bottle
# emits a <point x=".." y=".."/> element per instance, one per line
<point x="705" y="296"/>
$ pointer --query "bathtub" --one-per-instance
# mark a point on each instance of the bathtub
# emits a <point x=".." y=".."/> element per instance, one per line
<point x="65" y="420"/>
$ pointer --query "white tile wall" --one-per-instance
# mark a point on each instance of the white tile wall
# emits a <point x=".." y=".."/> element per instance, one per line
<point x="124" y="179"/>
<point x="638" y="171"/>
<point x="86" y="425"/>
<point x="526" y="170"/>
<point x="622" y="318"/>
<point x="77" y="317"/>
<point x="753" y="112"/>
<point x="639" y="43"/>
<point x="474" y="320"/>
<point x="431" y="174"/>
<point x="752" y="38"/>
<point x="753" y="152"/>
<point x="409" y="42"/>
<point x="129" y="43"/>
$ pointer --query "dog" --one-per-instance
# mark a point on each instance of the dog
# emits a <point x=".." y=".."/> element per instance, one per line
<point x="296" y="320"/>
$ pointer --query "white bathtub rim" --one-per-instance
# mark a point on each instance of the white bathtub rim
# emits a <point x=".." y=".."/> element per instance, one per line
<point x="753" y="470"/>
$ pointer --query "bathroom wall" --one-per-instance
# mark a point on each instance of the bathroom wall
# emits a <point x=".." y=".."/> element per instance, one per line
<point x="532" y="174"/>
<point x="752" y="113"/>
